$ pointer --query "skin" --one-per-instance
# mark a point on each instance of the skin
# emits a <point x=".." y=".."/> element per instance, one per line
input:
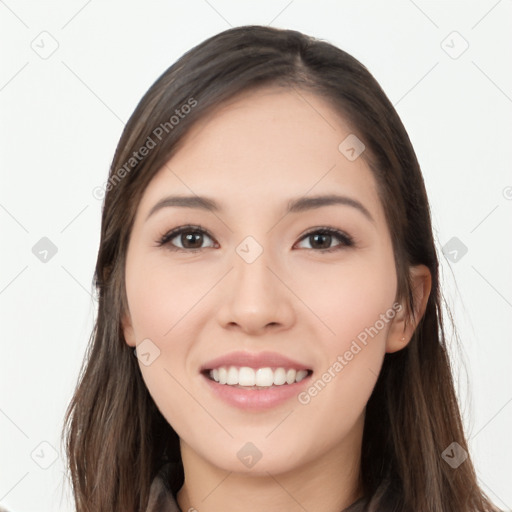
<point x="253" y="155"/>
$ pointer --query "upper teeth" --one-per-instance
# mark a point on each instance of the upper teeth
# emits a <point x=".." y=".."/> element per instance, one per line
<point x="264" y="377"/>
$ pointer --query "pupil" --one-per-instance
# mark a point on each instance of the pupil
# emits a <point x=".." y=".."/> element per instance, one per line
<point x="326" y="237"/>
<point x="190" y="238"/>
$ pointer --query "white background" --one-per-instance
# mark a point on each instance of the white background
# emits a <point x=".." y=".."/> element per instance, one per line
<point x="61" y="118"/>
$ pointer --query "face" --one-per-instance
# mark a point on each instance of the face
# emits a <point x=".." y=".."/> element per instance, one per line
<point x="315" y="285"/>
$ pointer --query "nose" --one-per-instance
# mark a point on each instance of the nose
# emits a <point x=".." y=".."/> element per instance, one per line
<point x="255" y="298"/>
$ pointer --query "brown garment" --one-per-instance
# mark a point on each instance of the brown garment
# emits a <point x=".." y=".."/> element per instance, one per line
<point x="163" y="499"/>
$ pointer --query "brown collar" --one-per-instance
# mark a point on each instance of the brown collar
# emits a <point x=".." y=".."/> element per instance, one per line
<point x="162" y="499"/>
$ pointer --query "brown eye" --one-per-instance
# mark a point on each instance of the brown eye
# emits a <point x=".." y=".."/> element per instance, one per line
<point x="191" y="240"/>
<point x="322" y="239"/>
<point x="185" y="238"/>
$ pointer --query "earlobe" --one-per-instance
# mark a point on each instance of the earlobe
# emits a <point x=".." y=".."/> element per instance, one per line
<point x="128" y="333"/>
<point x="405" y="322"/>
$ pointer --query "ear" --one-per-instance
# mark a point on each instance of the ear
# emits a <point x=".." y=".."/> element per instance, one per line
<point x="405" y="322"/>
<point x="129" y="334"/>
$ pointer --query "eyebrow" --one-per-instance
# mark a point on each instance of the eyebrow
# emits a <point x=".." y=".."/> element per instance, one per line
<point x="294" y="206"/>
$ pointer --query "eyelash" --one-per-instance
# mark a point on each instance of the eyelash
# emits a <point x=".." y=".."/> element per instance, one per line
<point x="344" y="239"/>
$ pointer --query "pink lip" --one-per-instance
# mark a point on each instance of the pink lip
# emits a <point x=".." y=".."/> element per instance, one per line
<point x="259" y="360"/>
<point x="256" y="399"/>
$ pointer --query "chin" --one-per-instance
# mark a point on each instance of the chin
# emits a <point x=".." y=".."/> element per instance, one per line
<point x="247" y="459"/>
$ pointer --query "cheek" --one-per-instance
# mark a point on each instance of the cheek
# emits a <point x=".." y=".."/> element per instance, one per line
<point x="349" y="297"/>
<point x="165" y="304"/>
<point x="354" y="302"/>
<point x="163" y="297"/>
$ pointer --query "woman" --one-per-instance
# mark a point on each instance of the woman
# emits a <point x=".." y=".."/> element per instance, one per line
<point x="267" y="255"/>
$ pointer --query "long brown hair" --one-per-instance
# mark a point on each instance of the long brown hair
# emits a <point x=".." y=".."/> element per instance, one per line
<point x="116" y="438"/>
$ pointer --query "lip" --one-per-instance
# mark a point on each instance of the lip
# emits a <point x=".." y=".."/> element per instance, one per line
<point x="254" y="360"/>
<point x="256" y="399"/>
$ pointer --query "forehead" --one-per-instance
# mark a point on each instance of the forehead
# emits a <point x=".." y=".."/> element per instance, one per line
<point x="266" y="145"/>
<point x="271" y="122"/>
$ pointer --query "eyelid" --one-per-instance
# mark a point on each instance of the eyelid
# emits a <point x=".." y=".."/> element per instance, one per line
<point x="173" y="233"/>
<point x="345" y="239"/>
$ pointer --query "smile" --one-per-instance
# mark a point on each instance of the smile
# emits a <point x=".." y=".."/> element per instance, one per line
<point x="259" y="378"/>
<point x="257" y="394"/>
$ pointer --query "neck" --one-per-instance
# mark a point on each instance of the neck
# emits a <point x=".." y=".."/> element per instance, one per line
<point x="330" y="483"/>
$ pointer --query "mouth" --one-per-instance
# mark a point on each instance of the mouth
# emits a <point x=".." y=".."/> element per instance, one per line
<point x="258" y="379"/>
